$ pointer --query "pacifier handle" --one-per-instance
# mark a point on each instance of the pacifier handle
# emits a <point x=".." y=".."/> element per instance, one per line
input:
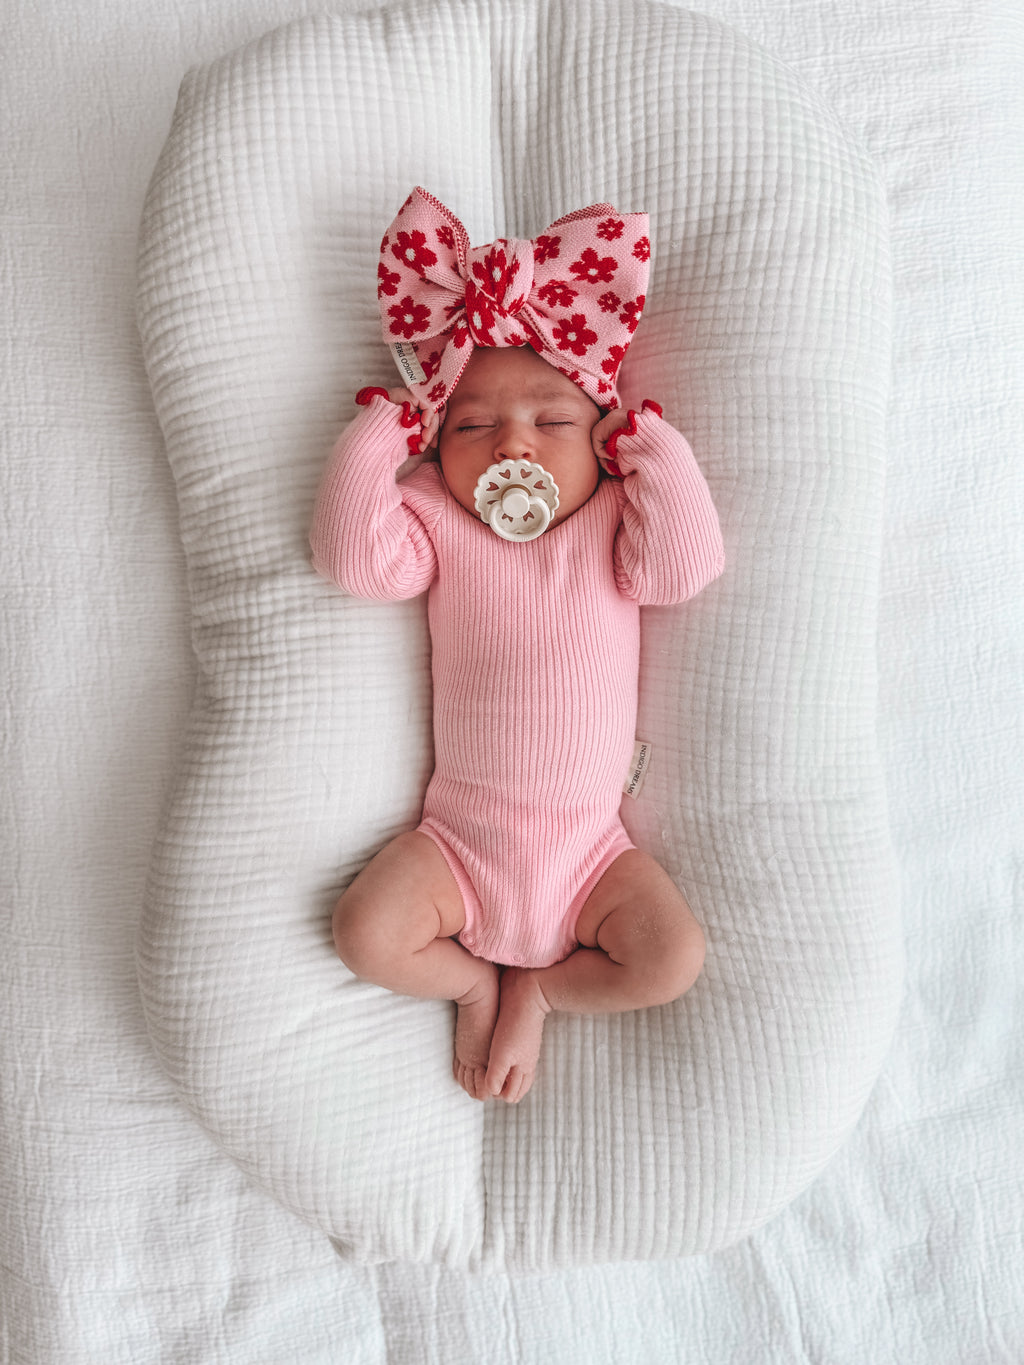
<point x="516" y="502"/>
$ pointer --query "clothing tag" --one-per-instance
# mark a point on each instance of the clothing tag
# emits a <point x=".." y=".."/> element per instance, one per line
<point x="638" y="768"/>
<point x="408" y="366"/>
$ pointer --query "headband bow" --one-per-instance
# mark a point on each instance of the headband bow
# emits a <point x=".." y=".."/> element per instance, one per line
<point x="575" y="295"/>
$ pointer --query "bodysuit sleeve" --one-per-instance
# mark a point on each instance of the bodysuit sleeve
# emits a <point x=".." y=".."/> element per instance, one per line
<point x="365" y="537"/>
<point x="669" y="545"/>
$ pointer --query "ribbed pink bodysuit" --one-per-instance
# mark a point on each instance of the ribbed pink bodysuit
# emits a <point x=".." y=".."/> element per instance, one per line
<point x="535" y="660"/>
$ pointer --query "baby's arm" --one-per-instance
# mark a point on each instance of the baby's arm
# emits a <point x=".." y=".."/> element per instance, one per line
<point x="364" y="537"/>
<point x="669" y="545"/>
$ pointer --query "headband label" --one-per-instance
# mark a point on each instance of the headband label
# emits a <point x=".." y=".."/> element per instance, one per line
<point x="408" y="366"/>
<point x="637" y="768"/>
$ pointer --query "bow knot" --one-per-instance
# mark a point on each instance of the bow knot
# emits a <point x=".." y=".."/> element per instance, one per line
<point x="575" y="294"/>
<point x="501" y="277"/>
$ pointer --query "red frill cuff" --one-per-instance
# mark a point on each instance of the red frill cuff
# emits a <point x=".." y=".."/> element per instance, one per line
<point x="611" y="445"/>
<point x="410" y="415"/>
<point x="366" y="396"/>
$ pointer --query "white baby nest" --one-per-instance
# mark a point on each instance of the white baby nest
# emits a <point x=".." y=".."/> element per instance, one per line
<point x="765" y="337"/>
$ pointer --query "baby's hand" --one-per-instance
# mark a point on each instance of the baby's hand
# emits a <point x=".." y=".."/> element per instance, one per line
<point x="429" y="419"/>
<point x="605" y="428"/>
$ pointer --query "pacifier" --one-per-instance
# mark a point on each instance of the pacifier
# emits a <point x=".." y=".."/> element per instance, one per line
<point x="517" y="499"/>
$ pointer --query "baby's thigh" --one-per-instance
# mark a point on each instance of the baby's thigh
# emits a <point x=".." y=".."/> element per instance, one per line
<point x="402" y="900"/>
<point x="636" y="913"/>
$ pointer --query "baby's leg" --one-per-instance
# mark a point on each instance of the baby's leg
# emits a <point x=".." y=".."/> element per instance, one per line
<point x="393" y="927"/>
<point x="640" y="946"/>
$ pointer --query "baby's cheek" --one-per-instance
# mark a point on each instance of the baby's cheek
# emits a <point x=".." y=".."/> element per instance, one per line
<point x="460" y="479"/>
<point x="577" y="483"/>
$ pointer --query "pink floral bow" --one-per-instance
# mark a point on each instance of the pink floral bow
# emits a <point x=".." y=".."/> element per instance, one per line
<point x="575" y="295"/>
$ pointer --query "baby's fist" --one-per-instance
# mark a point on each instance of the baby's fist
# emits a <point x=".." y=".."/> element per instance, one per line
<point x="603" y="430"/>
<point x="429" y="421"/>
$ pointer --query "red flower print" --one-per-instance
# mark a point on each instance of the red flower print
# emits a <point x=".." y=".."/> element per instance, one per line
<point x="479" y="315"/>
<point x="611" y="365"/>
<point x="409" y="318"/>
<point x="431" y="364"/>
<point x="557" y="294"/>
<point x="630" y="314"/>
<point x="642" y="250"/>
<point x="591" y="268"/>
<point x="514" y="339"/>
<point x="412" y="250"/>
<point x="574" y="335"/>
<point x="459" y="337"/>
<point x="533" y="339"/>
<point x="545" y="248"/>
<point x="435" y="393"/>
<point x="609" y="301"/>
<point x="611" y="229"/>
<point x="446" y="237"/>
<point x="496" y="275"/>
<point x="387" y="283"/>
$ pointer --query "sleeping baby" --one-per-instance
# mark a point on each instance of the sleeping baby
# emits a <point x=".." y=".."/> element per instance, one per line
<point x="549" y="517"/>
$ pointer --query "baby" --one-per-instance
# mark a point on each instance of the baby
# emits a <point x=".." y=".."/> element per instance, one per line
<point x="538" y="533"/>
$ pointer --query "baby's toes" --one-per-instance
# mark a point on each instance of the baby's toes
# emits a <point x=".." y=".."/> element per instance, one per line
<point x="471" y="1078"/>
<point x="517" y="1083"/>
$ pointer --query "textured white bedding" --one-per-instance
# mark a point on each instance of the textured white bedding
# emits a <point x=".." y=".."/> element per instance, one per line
<point x="664" y="1132"/>
<point x="126" y="1235"/>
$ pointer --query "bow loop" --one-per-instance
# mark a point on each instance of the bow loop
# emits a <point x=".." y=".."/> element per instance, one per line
<point x="575" y="294"/>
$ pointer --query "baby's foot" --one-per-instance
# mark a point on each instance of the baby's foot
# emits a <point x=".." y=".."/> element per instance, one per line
<point x="474" y="1024"/>
<point x="515" y="1046"/>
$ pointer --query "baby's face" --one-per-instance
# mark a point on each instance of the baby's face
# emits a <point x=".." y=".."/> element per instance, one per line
<point x="510" y="402"/>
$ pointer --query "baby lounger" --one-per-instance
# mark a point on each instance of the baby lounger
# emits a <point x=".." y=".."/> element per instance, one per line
<point x="647" y="1135"/>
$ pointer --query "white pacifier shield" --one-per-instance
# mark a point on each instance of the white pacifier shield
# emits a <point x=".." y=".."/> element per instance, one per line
<point x="517" y="499"/>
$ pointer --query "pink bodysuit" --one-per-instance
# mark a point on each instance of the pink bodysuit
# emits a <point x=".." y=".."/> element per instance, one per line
<point x="535" y="659"/>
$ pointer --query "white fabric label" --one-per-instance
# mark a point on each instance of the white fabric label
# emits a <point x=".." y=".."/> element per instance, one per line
<point x="637" y="768"/>
<point x="408" y="366"/>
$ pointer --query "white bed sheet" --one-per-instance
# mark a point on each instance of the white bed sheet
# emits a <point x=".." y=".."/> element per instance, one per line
<point x="124" y="1235"/>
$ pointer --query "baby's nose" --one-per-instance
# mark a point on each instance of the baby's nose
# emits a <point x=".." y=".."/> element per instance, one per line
<point x="514" y="440"/>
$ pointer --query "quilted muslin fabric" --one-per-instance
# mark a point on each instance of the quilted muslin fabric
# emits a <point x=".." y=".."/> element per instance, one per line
<point x="765" y="338"/>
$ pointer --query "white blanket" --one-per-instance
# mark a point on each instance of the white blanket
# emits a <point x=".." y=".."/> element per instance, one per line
<point x="127" y="1237"/>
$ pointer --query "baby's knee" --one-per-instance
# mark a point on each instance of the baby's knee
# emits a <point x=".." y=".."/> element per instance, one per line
<point x="673" y="964"/>
<point x="688" y="959"/>
<point x="359" y="939"/>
